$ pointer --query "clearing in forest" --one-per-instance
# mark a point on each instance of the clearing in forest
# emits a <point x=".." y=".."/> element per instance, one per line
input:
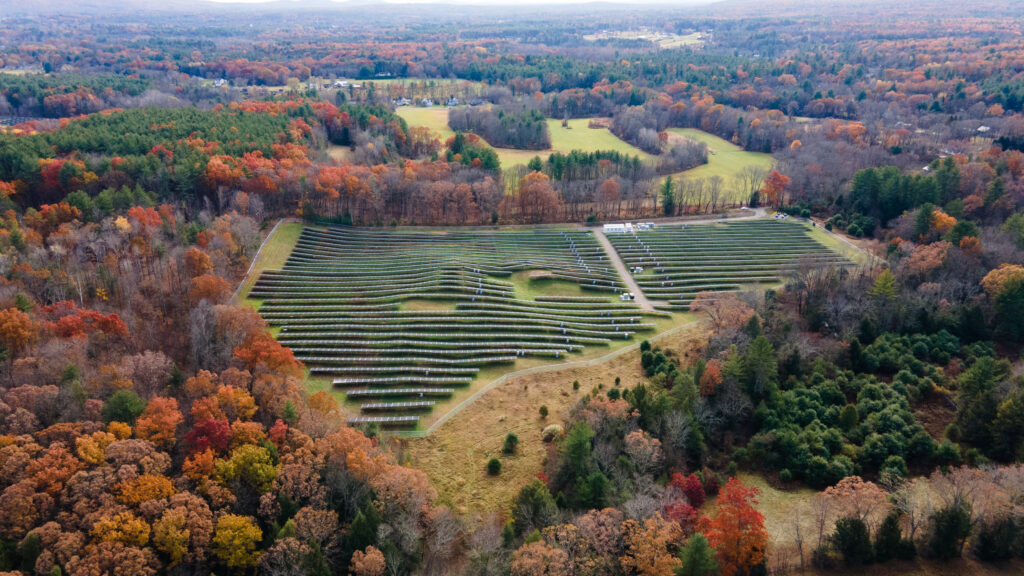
<point x="675" y="263"/>
<point x="577" y="136"/>
<point x="401" y="322"/>
<point x="406" y="326"/>
<point x="725" y="159"/>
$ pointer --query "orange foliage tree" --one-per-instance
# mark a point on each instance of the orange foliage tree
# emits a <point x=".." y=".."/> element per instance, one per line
<point x="736" y="531"/>
<point x="774" y="188"/>
<point x="159" y="422"/>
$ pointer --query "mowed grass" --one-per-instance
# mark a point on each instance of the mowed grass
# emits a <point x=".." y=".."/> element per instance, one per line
<point x="834" y="242"/>
<point x="725" y="159"/>
<point x="578" y="136"/>
<point x="436" y="119"/>
<point x="273" y="255"/>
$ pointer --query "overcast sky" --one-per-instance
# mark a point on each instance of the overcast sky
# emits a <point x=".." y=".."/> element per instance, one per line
<point x="500" y="2"/>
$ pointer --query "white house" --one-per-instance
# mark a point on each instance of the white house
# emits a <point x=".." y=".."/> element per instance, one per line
<point x="614" y="228"/>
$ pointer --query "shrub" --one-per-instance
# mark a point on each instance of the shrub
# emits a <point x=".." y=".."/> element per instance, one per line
<point x="575" y="385"/>
<point x="511" y="441"/>
<point x="550" y="433"/>
<point x="851" y="539"/>
<point x="544" y="411"/>
<point x="494" y="466"/>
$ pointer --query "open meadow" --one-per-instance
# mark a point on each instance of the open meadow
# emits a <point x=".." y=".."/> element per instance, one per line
<point x="725" y="159"/>
<point x="457" y="312"/>
<point x="577" y="136"/>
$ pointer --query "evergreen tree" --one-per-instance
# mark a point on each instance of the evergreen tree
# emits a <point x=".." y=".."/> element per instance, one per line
<point x="887" y="541"/>
<point x="668" y="197"/>
<point x="950" y="528"/>
<point x="698" y="558"/>
<point x="851" y="539"/>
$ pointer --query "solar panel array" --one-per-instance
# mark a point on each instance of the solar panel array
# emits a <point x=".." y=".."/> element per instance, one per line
<point x="340" y="301"/>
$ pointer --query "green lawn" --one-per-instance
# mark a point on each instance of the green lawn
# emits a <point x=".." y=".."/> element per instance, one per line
<point x="725" y="159"/>
<point x="576" y="137"/>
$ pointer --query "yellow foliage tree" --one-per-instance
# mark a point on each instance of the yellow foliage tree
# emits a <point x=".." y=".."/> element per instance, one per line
<point x="235" y="540"/>
<point x="126" y="528"/>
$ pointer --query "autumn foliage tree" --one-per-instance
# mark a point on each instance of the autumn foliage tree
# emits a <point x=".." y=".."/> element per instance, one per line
<point x="159" y="422"/>
<point x="774" y="188"/>
<point x="736" y="531"/>
<point x="17" y="331"/>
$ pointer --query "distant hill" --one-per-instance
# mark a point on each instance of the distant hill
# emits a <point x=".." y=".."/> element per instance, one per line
<point x="193" y="6"/>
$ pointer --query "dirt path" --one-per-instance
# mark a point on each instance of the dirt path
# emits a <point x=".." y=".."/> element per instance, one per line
<point x="613" y="256"/>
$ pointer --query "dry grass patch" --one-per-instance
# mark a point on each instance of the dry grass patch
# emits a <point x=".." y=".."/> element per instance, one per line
<point x="455" y="455"/>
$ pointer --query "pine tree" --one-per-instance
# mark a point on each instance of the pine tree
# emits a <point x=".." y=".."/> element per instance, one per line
<point x="698" y="558"/>
<point x="668" y="197"/>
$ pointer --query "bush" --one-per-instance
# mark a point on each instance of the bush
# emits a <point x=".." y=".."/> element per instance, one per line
<point x="851" y="539"/>
<point x="550" y="433"/>
<point x="575" y="385"/>
<point x="494" y="466"/>
<point x="511" y="441"/>
<point x="544" y="411"/>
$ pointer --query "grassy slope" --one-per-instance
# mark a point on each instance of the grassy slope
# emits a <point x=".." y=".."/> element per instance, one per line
<point x="577" y="137"/>
<point x="455" y="455"/>
<point x="727" y="161"/>
<point x="833" y="242"/>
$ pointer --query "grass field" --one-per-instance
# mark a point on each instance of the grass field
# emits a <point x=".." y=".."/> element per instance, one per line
<point x="273" y="255"/>
<point x="725" y="159"/>
<point x="578" y="136"/>
<point x="455" y="455"/>
<point x="339" y="153"/>
<point x="435" y="118"/>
